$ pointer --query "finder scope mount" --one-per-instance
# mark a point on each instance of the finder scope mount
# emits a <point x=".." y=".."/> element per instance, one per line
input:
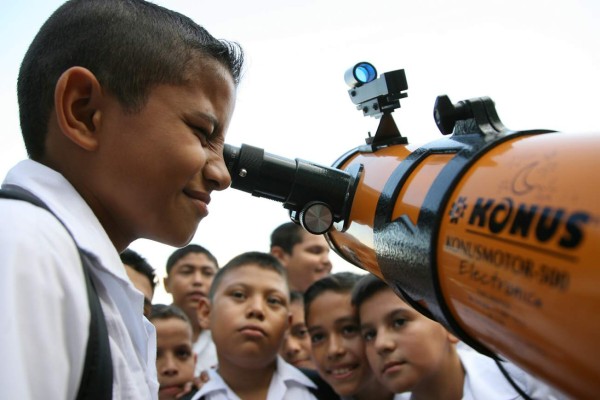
<point x="378" y="97"/>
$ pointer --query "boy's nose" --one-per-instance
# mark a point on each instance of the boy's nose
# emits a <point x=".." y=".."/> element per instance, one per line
<point x="383" y="343"/>
<point x="198" y="278"/>
<point x="336" y="347"/>
<point x="216" y="172"/>
<point x="291" y="346"/>
<point x="255" y="309"/>
<point x="168" y="367"/>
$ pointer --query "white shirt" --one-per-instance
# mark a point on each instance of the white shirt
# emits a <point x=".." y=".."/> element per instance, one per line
<point x="485" y="381"/>
<point x="206" y="351"/>
<point x="44" y="314"/>
<point x="287" y="383"/>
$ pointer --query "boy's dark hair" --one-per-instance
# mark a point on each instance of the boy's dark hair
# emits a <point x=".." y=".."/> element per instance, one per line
<point x="340" y="282"/>
<point x="139" y="263"/>
<point x="263" y="260"/>
<point x="129" y="45"/>
<point x="365" y="288"/>
<point x="164" y="311"/>
<point x="184" y="251"/>
<point x="296" y="296"/>
<point x="286" y="236"/>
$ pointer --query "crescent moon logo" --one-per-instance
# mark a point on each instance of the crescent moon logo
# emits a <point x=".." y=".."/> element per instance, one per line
<point x="521" y="184"/>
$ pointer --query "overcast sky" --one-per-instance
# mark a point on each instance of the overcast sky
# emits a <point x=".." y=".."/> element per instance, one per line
<point x="538" y="60"/>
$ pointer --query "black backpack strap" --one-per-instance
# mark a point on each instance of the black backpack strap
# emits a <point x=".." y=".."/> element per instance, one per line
<point x="323" y="390"/>
<point x="97" y="378"/>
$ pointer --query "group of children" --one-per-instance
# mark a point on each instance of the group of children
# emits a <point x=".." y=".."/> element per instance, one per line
<point x="347" y="336"/>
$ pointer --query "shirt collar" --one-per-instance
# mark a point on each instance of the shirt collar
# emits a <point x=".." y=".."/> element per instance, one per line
<point x="285" y="374"/>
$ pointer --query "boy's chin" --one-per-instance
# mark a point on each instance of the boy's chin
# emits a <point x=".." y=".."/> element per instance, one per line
<point x="176" y="239"/>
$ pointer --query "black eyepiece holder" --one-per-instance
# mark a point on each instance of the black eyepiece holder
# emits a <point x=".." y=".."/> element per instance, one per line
<point x="316" y="196"/>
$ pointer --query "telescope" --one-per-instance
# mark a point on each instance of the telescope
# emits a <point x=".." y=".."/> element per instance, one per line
<point x="492" y="232"/>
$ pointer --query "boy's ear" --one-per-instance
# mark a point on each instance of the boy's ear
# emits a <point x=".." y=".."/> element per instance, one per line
<point x="77" y="98"/>
<point x="279" y="253"/>
<point x="203" y="313"/>
<point x="166" y="284"/>
<point x="452" y="339"/>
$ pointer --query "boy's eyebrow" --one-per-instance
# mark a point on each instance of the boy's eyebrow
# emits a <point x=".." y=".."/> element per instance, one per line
<point x="390" y="315"/>
<point x="313" y="328"/>
<point x="339" y="321"/>
<point x="244" y="285"/>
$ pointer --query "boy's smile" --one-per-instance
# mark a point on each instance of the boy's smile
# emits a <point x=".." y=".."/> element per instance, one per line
<point x="337" y="347"/>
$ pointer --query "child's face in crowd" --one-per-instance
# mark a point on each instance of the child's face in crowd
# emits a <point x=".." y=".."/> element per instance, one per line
<point x="175" y="360"/>
<point x="189" y="281"/>
<point x="249" y="316"/>
<point x="141" y="282"/>
<point x="337" y="347"/>
<point x="296" y="342"/>
<point x="405" y="348"/>
<point x="308" y="262"/>
<point x="153" y="171"/>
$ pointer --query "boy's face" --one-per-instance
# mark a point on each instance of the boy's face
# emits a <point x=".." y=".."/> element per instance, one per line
<point x="249" y="316"/>
<point x="405" y="349"/>
<point x="152" y="172"/>
<point x="296" y="342"/>
<point x="142" y="283"/>
<point x="189" y="281"/>
<point x="308" y="261"/>
<point x="175" y="360"/>
<point x="337" y="347"/>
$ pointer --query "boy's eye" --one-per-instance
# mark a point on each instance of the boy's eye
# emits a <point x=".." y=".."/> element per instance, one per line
<point x="274" y="300"/>
<point x="316" y="338"/>
<point x="350" y="330"/>
<point x="201" y="133"/>
<point x="399" y="322"/>
<point x="183" y="354"/>
<point x="300" y="332"/>
<point x="238" y="294"/>
<point x="368" y="335"/>
<point x="208" y="272"/>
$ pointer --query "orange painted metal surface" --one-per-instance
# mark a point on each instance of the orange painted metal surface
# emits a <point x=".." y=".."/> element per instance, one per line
<point x="517" y="251"/>
<point x="519" y="263"/>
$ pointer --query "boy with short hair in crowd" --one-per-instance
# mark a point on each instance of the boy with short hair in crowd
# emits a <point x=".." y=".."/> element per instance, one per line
<point x="248" y="313"/>
<point x="124" y="106"/>
<point x="141" y="274"/>
<point x="417" y="357"/>
<point x="175" y="359"/>
<point x="190" y="272"/>
<point x="296" y="341"/>
<point x="338" y="350"/>
<point x="305" y="256"/>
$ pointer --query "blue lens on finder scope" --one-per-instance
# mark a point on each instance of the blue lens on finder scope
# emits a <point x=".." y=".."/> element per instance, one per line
<point x="365" y="72"/>
<point x="359" y="74"/>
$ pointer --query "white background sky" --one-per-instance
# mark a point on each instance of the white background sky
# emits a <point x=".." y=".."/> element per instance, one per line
<point x="538" y="60"/>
